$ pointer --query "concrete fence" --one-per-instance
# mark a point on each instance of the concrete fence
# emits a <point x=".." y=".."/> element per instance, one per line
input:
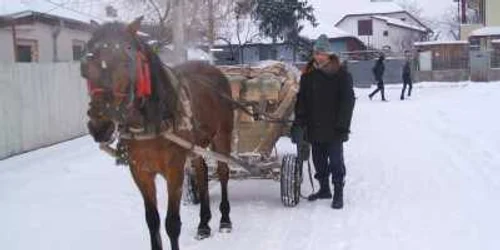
<point x="363" y="75"/>
<point x="40" y="104"/>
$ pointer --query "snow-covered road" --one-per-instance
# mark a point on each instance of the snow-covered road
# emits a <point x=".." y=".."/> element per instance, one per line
<point x="422" y="174"/>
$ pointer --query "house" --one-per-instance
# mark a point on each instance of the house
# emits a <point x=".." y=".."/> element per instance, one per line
<point x="391" y="30"/>
<point x="264" y="49"/>
<point x="482" y="38"/>
<point x="31" y="36"/>
<point x="476" y="14"/>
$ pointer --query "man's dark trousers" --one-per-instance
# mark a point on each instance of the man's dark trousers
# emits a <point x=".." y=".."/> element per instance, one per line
<point x="328" y="158"/>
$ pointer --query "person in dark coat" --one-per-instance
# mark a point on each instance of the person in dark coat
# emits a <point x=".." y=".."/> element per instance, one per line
<point x="407" y="82"/>
<point x="324" y="109"/>
<point x="378" y="72"/>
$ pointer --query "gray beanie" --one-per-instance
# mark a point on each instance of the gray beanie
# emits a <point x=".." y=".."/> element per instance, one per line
<point x="322" y="44"/>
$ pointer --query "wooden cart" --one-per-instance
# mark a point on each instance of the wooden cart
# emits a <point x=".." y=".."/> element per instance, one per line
<point x="269" y="89"/>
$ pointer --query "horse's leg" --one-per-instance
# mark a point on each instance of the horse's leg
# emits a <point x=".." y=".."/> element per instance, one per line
<point x="222" y="144"/>
<point x="175" y="177"/>
<point x="145" y="182"/>
<point x="202" y="184"/>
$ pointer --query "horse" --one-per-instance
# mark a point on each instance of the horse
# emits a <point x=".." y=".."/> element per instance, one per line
<point x="135" y="96"/>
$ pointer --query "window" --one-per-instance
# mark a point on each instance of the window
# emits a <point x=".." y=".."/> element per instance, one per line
<point x="78" y="48"/>
<point x="386" y="33"/>
<point x="365" y="27"/>
<point x="26" y="50"/>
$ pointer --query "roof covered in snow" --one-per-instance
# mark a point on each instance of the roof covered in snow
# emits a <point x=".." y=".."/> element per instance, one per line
<point x="487" y="31"/>
<point x="429" y="43"/>
<point x="399" y="23"/>
<point x="50" y="19"/>
<point x="42" y="7"/>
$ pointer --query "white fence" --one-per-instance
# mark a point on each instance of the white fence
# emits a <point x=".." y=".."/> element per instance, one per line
<point x="40" y="104"/>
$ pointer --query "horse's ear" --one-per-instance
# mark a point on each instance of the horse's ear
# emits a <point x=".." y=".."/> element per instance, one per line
<point x="94" y="25"/>
<point x="134" y="26"/>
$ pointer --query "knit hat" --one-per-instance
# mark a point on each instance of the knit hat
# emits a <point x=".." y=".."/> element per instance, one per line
<point x="322" y="44"/>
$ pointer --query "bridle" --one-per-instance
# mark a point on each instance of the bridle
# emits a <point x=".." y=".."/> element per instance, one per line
<point x="139" y="80"/>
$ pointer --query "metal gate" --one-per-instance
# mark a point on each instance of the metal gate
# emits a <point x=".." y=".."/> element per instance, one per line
<point x="479" y="66"/>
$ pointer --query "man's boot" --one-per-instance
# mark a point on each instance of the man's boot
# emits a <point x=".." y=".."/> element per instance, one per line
<point x="338" y="196"/>
<point x="323" y="193"/>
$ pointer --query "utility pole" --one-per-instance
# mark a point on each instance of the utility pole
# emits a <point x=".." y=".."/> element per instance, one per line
<point x="211" y="30"/>
<point x="464" y="11"/>
<point x="178" y="29"/>
<point x="14" y="39"/>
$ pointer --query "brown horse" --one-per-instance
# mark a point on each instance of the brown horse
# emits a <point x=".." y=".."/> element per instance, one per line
<point x="133" y="95"/>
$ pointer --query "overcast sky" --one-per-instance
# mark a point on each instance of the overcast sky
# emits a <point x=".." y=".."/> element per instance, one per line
<point x="328" y="12"/>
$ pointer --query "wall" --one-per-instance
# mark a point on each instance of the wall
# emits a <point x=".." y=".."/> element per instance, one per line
<point x="452" y="75"/>
<point x="494" y="75"/>
<point x="401" y="39"/>
<point x="65" y="43"/>
<point x="7" y="45"/>
<point x="362" y="72"/>
<point x="43" y="34"/>
<point x="467" y="29"/>
<point x="492" y="10"/>
<point x="40" y="104"/>
<point x="378" y="40"/>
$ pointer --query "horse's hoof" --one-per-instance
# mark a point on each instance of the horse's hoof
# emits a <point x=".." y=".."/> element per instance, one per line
<point x="225" y="227"/>
<point x="203" y="233"/>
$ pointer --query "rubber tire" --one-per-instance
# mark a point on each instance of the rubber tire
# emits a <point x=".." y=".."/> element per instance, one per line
<point x="290" y="180"/>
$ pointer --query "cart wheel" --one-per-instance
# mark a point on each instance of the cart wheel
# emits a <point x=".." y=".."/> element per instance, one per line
<point x="190" y="191"/>
<point x="291" y="179"/>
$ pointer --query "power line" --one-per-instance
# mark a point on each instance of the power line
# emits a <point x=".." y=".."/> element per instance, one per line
<point x="62" y="6"/>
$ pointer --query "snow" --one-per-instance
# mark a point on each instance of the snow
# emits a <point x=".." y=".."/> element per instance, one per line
<point x="487" y="31"/>
<point x="422" y="174"/>
<point x="440" y="43"/>
<point x="197" y="54"/>
<point x="400" y="23"/>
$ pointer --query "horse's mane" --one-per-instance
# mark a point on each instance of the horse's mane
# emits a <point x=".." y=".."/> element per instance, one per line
<point x="161" y="106"/>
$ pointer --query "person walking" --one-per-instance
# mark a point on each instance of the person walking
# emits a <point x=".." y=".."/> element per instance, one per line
<point x="407" y="82"/>
<point x="324" y="110"/>
<point x="378" y="72"/>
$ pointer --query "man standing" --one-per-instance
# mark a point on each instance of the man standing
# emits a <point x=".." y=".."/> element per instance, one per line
<point x="378" y="72"/>
<point x="407" y="82"/>
<point x="324" y="108"/>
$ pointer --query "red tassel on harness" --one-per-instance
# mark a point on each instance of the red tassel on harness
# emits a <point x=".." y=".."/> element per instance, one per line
<point x="143" y="88"/>
<point x="92" y="88"/>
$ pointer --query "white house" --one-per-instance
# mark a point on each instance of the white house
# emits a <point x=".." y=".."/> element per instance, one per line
<point x="31" y="36"/>
<point x="390" y="30"/>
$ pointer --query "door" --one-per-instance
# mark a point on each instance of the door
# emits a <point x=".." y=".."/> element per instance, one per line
<point x="479" y="66"/>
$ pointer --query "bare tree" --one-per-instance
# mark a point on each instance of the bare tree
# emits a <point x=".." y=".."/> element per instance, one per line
<point x="237" y="28"/>
<point x="413" y="7"/>
<point x="450" y="23"/>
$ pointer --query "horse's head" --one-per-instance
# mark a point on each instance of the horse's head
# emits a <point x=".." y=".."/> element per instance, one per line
<point x="117" y="72"/>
